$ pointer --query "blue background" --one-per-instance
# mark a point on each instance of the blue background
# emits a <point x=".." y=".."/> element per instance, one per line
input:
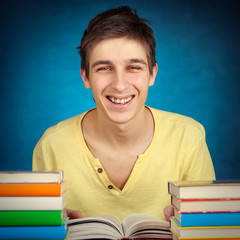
<point x="197" y="52"/>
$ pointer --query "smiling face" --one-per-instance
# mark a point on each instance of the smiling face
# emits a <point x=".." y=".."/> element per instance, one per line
<point x="119" y="78"/>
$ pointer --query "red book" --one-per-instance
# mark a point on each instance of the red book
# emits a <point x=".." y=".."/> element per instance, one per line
<point x="206" y="205"/>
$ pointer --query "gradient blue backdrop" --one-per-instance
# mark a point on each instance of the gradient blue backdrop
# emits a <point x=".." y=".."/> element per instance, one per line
<point x="197" y="52"/>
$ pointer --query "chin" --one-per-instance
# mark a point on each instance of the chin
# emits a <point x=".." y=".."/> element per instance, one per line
<point x="120" y="118"/>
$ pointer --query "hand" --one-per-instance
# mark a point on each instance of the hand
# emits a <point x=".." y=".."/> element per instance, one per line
<point x="168" y="212"/>
<point x="73" y="214"/>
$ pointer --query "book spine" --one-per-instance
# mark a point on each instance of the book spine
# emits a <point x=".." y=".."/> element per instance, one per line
<point x="209" y="219"/>
<point x="31" y="177"/>
<point x="30" y="218"/>
<point x="31" y="203"/>
<point x="40" y="189"/>
<point x="33" y="232"/>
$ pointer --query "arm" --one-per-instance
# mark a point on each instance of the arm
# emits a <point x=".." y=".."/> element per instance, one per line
<point x="43" y="160"/>
<point x="197" y="165"/>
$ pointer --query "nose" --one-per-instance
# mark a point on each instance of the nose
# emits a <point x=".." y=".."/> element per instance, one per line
<point x="120" y="81"/>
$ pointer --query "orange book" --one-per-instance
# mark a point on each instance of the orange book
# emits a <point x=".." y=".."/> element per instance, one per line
<point x="32" y="189"/>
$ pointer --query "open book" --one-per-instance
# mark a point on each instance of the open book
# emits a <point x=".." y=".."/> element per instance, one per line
<point x="135" y="226"/>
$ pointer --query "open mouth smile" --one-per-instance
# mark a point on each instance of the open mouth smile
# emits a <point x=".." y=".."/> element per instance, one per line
<point x="120" y="101"/>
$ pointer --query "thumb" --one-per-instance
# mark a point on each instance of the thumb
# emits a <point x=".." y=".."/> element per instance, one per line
<point x="73" y="214"/>
<point x="168" y="212"/>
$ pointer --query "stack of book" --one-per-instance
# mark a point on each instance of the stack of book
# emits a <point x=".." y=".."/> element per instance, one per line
<point x="205" y="210"/>
<point x="32" y="205"/>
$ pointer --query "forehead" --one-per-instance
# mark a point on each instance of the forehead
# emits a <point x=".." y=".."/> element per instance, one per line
<point x="117" y="50"/>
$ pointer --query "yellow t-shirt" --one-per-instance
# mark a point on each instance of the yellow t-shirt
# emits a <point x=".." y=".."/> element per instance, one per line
<point x="178" y="151"/>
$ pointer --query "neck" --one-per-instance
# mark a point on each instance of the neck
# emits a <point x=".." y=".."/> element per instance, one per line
<point x="122" y="135"/>
<point x="129" y="132"/>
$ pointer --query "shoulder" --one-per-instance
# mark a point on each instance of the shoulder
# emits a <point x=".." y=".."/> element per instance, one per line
<point x="61" y="126"/>
<point x="62" y="130"/>
<point x="178" y="123"/>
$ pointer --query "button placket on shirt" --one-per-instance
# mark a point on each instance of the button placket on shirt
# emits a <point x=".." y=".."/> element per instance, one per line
<point x="100" y="170"/>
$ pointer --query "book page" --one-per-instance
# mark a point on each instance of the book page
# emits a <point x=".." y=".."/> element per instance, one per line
<point x="91" y="227"/>
<point x="93" y="231"/>
<point x="139" y="224"/>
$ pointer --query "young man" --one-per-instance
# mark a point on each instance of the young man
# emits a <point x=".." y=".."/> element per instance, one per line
<point x="118" y="157"/>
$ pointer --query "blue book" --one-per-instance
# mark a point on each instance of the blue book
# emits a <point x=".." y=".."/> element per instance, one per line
<point x="34" y="232"/>
<point x="208" y="219"/>
<point x="208" y="232"/>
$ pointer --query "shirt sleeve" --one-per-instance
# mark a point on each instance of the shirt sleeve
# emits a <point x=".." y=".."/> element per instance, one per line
<point x="199" y="164"/>
<point x="43" y="158"/>
<point x="37" y="162"/>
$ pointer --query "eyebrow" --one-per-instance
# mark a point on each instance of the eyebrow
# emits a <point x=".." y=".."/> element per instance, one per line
<point x="137" y="60"/>
<point x="132" y="60"/>
<point x="101" y="62"/>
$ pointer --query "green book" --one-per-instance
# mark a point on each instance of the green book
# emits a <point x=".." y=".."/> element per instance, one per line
<point x="31" y="218"/>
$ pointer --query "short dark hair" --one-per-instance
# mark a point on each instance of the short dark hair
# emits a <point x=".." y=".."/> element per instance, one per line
<point x="115" y="23"/>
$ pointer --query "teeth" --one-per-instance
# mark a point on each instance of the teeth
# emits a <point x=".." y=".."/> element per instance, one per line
<point x="120" y="101"/>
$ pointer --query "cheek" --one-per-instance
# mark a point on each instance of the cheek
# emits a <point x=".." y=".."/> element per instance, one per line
<point x="98" y="84"/>
<point x="140" y="82"/>
<point x="101" y="80"/>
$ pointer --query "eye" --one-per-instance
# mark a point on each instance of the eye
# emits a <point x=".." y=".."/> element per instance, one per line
<point x="103" y="69"/>
<point x="134" y="68"/>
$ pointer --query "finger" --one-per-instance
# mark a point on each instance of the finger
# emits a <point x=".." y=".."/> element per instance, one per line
<point x="73" y="214"/>
<point x="168" y="212"/>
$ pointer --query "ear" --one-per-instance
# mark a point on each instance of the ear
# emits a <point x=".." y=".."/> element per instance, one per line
<point x="153" y="75"/>
<point x="85" y="78"/>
